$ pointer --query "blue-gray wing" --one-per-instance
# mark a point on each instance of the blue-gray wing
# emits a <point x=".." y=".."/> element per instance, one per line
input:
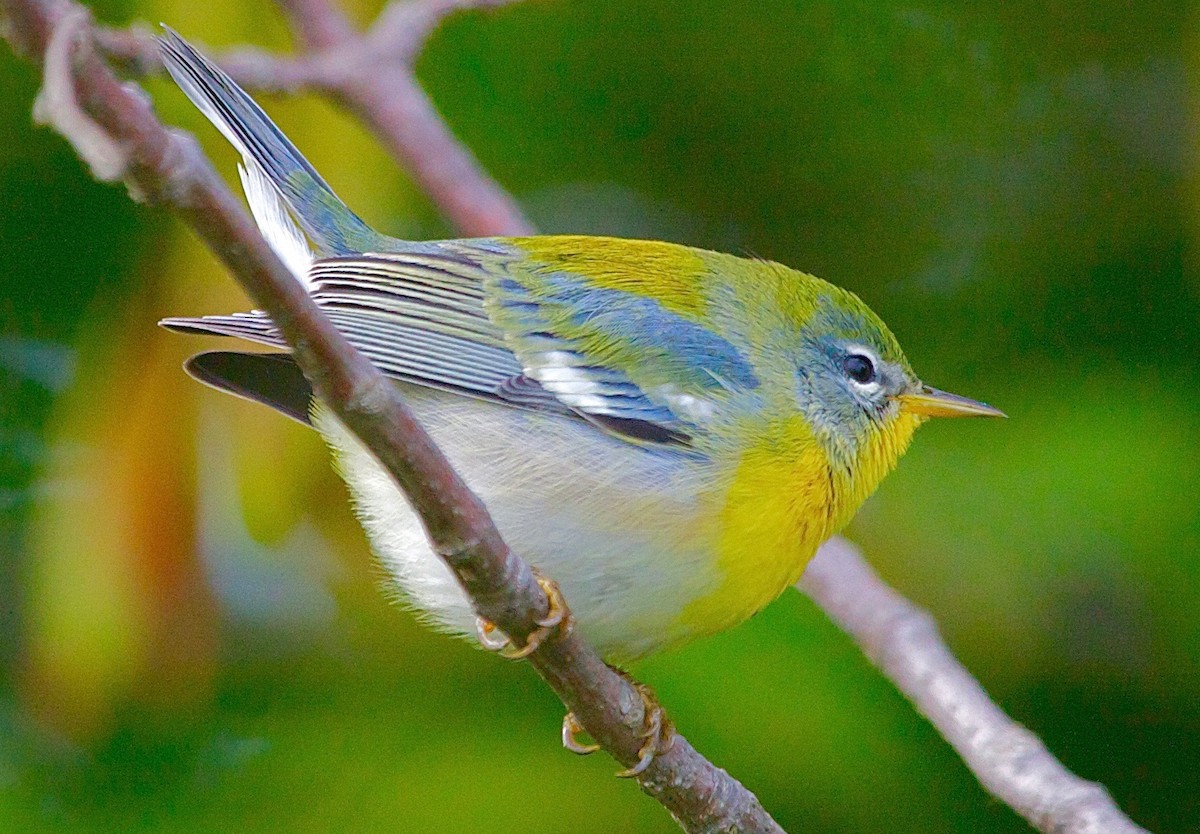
<point x="417" y="317"/>
<point x="420" y="315"/>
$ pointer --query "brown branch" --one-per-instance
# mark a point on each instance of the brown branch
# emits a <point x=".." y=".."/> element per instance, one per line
<point x="370" y="74"/>
<point x="902" y="641"/>
<point x="402" y="28"/>
<point x="372" y="77"/>
<point x="166" y="167"/>
<point x="318" y="24"/>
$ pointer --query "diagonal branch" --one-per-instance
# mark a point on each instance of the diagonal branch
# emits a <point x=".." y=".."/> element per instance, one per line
<point x="378" y="86"/>
<point x="902" y="641"/>
<point x="166" y="167"/>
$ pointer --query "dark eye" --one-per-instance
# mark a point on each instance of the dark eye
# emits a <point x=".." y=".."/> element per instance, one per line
<point x="859" y="368"/>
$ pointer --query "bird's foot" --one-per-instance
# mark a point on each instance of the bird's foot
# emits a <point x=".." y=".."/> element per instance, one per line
<point x="657" y="731"/>
<point x="558" y="618"/>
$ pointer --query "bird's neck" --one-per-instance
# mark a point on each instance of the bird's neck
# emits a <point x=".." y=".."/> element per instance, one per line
<point x="857" y="475"/>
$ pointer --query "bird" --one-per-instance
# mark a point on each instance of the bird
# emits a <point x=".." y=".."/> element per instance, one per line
<point x="668" y="433"/>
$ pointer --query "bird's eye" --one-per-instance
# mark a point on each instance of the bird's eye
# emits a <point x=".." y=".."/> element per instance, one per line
<point x="859" y="368"/>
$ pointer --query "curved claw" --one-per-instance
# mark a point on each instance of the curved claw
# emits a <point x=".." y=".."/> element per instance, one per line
<point x="557" y="617"/>
<point x="511" y="652"/>
<point x="570" y="729"/>
<point x="490" y="637"/>
<point x="558" y="606"/>
<point x="657" y="732"/>
<point x="557" y="614"/>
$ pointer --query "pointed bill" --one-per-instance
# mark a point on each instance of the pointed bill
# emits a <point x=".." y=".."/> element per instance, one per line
<point x="930" y="402"/>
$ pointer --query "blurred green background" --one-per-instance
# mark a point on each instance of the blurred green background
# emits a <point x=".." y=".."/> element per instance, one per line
<point x="192" y="633"/>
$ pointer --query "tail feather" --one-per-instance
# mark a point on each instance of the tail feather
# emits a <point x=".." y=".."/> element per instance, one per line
<point x="274" y="221"/>
<point x="272" y="379"/>
<point x="333" y="228"/>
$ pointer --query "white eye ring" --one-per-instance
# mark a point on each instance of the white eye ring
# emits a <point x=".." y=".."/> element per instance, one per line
<point x="859" y="362"/>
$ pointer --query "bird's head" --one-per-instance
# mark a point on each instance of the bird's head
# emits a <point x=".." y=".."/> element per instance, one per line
<point x="858" y="392"/>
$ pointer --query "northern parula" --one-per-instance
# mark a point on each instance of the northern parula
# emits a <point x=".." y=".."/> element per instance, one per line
<point x="667" y="432"/>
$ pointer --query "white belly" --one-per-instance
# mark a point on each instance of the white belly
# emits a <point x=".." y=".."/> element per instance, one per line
<point x="621" y="529"/>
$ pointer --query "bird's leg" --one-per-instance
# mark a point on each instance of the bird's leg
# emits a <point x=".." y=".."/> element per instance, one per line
<point x="657" y="730"/>
<point x="558" y="617"/>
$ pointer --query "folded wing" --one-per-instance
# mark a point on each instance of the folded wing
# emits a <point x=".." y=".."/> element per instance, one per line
<point x="474" y="318"/>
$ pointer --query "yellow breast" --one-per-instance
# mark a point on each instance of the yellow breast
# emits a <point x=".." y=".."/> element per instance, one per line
<point x="768" y="522"/>
<point x="784" y="498"/>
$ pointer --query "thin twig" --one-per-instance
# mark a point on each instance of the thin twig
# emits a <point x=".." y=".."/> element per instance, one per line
<point x="398" y="110"/>
<point x="403" y="27"/>
<point x="373" y="79"/>
<point x="167" y="167"/>
<point x="318" y="24"/>
<point x="370" y="74"/>
<point x="902" y="640"/>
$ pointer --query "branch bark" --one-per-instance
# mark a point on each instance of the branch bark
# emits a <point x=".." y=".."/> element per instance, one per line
<point x="371" y="75"/>
<point x="164" y="166"/>
<point x="902" y="641"/>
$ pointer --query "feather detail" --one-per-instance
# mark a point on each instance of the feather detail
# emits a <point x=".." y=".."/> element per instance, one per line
<point x="272" y="379"/>
<point x="406" y="353"/>
<point x="328" y="222"/>
<point x="273" y="220"/>
<point x="613" y="353"/>
<point x="425" y="316"/>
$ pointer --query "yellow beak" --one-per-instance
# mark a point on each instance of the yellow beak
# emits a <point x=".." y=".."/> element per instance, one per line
<point x="930" y="402"/>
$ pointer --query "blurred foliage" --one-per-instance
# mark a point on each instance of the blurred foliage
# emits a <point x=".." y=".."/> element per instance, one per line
<point x="192" y="635"/>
